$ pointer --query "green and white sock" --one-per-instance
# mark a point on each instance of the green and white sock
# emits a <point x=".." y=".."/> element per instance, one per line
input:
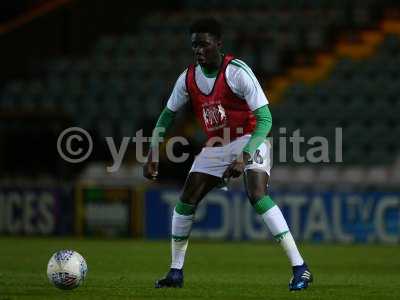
<point x="182" y="220"/>
<point x="289" y="245"/>
<point x="275" y="221"/>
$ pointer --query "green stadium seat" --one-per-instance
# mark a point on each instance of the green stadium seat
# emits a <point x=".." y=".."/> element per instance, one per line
<point x="109" y="82"/>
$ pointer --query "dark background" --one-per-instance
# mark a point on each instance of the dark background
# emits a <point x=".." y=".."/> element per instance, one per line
<point x="109" y="68"/>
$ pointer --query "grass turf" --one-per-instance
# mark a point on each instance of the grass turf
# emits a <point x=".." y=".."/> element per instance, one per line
<point x="126" y="269"/>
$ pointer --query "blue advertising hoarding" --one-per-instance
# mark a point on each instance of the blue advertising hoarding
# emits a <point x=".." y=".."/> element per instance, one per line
<point x="35" y="211"/>
<point x="325" y="216"/>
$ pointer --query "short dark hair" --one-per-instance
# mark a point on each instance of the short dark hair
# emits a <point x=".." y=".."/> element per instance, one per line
<point x="207" y="25"/>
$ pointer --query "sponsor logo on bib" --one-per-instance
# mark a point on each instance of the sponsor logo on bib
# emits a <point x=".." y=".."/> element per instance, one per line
<point x="214" y="117"/>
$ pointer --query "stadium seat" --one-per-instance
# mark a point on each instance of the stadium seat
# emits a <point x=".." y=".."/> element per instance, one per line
<point x="361" y="94"/>
<point x="109" y="81"/>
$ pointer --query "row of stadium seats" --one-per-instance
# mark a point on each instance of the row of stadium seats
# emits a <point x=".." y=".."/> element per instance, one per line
<point x="366" y="109"/>
<point x="124" y="80"/>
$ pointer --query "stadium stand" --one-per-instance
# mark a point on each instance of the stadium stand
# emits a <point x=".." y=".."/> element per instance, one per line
<point x="105" y="90"/>
<point x="358" y="96"/>
<point x="109" y="79"/>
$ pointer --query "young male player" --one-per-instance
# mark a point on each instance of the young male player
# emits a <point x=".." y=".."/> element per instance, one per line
<point x="227" y="101"/>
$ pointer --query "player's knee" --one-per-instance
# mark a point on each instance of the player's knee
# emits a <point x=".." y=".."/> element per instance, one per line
<point x="184" y="208"/>
<point x="256" y="194"/>
<point x="188" y="200"/>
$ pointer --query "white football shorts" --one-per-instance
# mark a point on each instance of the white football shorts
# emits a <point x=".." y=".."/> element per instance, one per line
<point x="215" y="160"/>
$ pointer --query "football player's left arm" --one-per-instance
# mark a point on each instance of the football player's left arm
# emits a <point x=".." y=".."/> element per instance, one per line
<point x="258" y="103"/>
<point x="258" y="136"/>
<point x="262" y="129"/>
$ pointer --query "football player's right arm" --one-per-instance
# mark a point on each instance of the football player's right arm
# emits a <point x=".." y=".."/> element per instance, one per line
<point x="177" y="99"/>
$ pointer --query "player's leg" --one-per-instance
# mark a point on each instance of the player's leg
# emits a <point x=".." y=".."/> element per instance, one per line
<point x="256" y="187"/>
<point x="197" y="185"/>
<point x="256" y="182"/>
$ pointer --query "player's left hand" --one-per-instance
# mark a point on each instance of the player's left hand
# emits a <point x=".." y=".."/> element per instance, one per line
<point x="236" y="168"/>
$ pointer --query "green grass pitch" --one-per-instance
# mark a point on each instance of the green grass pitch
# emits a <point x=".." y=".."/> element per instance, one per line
<point x="126" y="269"/>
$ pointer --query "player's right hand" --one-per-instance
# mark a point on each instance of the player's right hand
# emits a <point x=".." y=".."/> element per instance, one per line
<point x="150" y="168"/>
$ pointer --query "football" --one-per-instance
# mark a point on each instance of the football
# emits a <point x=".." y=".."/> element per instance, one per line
<point x="66" y="269"/>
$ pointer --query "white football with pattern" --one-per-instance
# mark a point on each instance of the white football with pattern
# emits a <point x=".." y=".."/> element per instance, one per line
<point x="66" y="269"/>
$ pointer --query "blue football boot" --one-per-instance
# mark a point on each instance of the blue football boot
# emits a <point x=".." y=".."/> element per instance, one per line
<point x="301" y="279"/>
<point x="174" y="279"/>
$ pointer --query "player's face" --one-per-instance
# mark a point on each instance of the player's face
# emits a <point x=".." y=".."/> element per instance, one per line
<point x="206" y="49"/>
